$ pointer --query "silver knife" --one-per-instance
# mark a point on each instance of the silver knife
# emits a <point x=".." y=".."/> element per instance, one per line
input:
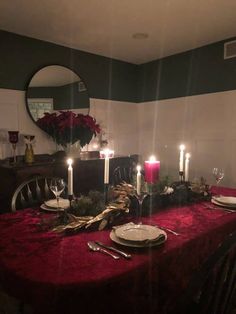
<point x="125" y="255"/>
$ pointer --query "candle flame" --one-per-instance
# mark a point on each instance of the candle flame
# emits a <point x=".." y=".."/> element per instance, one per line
<point x="182" y="147"/>
<point x="107" y="153"/>
<point x="138" y="168"/>
<point x="188" y="155"/>
<point x="152" y="158"/>
<point x="69" y="161"/>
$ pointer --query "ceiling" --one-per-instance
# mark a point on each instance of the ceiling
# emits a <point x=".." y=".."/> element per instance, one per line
<point x="105" y="27"/>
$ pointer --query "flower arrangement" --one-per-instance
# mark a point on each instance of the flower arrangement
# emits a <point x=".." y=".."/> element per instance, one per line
<point x="67" y="127"/>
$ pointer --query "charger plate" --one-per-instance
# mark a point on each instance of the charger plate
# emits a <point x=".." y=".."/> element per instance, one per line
<point x="231" y="206"/>
<point x="51" y="209"/>
<point x="63" y="203"/>
<point x="225" y="200"/>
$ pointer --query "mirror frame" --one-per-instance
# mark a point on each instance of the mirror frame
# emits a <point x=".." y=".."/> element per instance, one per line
<point x="30" y="79"/>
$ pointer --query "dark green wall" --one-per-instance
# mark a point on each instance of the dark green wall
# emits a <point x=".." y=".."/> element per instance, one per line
<point x="21" y="57"/>
<point x="194" y="72"/>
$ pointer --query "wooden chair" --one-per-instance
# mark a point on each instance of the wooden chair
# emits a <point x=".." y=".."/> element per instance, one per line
<point x="213" y="287"/>
<point x="31" y="193"/>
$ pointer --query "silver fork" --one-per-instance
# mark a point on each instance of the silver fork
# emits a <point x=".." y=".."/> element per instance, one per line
<point x="169" y="230"/>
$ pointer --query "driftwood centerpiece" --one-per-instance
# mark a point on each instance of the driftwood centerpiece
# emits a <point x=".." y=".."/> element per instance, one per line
<point x="117" y="207"/>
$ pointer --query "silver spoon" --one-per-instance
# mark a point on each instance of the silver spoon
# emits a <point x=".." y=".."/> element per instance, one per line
<point x="96" y="248"/>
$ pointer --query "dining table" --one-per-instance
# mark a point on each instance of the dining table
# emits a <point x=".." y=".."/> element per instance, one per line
<point x="58" y="273"/>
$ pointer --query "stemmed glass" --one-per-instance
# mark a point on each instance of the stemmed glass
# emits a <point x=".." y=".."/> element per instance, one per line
<point x="13" y="139"/>
<point x="218" y="175"/>
<point x="57" y="186"/>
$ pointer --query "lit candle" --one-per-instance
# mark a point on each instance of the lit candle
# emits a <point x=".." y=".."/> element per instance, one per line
<point x="152" y="169"/>
<point x="181" y="158"/>
<point x="70" y="176"/>
<point x="187" y="156"/>
<point x="107" y="154"/>
<point x="138" y="179"/>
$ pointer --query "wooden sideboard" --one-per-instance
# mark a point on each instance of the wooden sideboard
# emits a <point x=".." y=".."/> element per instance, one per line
<point x="88" y="174"/>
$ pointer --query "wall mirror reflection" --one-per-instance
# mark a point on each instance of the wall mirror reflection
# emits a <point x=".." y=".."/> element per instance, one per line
<point x="56" y="88"/>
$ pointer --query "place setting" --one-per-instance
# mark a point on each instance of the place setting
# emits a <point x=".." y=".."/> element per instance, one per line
<point x="130" y="235"/>
<point x="58" y="204"/>
<point x="138" y="235"/>
<point x="218" y="201"/>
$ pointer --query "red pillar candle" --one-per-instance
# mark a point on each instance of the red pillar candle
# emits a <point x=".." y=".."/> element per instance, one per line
<point x="152" y="169"/>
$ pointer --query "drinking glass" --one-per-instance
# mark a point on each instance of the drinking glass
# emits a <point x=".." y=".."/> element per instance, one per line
<point x="218" y="175"/>
<point x="13" y="139"/>
<point x="57" y="186"/>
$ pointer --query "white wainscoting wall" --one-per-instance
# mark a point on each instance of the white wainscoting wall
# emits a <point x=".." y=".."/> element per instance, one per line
<point x="206" y="124"/>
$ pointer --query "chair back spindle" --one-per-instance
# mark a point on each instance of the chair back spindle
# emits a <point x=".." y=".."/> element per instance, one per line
<point x="32" y="192"/>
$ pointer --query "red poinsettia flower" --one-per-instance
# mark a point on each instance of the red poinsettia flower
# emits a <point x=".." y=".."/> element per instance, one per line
<point x="69" y="127"/>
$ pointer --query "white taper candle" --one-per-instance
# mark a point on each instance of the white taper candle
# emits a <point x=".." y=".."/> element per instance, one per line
<point x="181" y="158"/>
<point x="106" y="170"/>
<point x="138" y="179"/>
<point x="187" y="156"/>
<point x="70" y="176"/>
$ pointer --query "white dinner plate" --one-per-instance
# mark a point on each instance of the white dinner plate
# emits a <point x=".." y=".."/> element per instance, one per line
<point x="51" y="209"/>
<point x="226" y="200"/>
<point x="137" y="232"/>
<point x="63" y="203"/>
<point x="223" y="205"/>
<point x="162" y="238"/>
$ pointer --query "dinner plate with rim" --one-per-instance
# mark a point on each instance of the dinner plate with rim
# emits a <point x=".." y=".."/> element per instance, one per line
<point x="231" y="206"/>
<point x="226" y="200"/>
<point x="51" y="209"/>
<point x="138" y="233"/>
<point x="63" y="203"/>
<point x="162" y="238"/>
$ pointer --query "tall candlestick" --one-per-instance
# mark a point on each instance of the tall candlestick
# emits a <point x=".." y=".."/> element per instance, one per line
<point x="70" y="176"/>
<point x="181" y="158"/>
<point x="106" y="170"/>
<point x="187" y="156"/>
<point x="107" y="154"/>
<point x="152" y="169"/>
<point x="138" y="179"/>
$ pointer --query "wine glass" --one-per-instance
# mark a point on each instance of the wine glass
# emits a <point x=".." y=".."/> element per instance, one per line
<point x="13" y="139"/>
<point x="57" y="186"/>
<point x="218" y="175"/>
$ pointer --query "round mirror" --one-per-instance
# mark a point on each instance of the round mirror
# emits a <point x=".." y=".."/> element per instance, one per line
<point x="56" y="88"/>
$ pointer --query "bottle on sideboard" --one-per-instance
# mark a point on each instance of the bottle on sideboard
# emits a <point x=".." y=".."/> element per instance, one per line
<point x="29" y="154"/>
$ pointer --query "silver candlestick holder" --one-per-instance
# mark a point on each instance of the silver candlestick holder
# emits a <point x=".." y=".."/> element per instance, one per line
<point x="181" y="176"/>
<point x="106" y="189"/>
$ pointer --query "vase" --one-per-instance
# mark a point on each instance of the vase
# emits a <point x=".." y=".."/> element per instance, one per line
<point x="29" y="154"/>
<point x="73" y="150"/>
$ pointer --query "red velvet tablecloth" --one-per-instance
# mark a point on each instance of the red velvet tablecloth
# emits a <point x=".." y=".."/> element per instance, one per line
<point x="58" y="274"/>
